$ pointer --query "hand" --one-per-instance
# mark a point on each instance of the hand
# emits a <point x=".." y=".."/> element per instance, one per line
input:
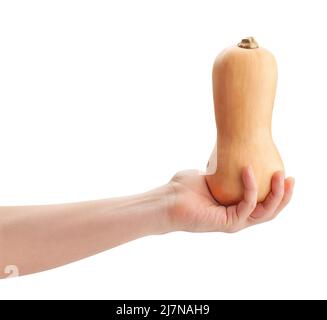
<point x="195" y="209"/>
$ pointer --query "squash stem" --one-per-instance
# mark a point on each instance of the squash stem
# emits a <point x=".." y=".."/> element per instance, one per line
<point x="248" y="43"/>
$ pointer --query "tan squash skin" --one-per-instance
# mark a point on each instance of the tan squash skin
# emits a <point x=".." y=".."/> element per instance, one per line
<point x="244" y="86"/>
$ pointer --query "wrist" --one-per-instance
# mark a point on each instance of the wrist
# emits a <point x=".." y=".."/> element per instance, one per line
<point x="161" y="202"/>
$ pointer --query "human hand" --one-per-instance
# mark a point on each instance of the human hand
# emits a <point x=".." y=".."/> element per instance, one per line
<point x="194" y="209"/>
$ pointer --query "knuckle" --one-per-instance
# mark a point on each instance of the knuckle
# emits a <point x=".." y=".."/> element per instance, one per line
<point x="233" y="229"/>
<point x="271" y="216"/>
<point x="252" y="205"/>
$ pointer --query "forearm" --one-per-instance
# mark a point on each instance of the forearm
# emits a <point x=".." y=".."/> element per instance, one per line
<point x="37" y="238"/>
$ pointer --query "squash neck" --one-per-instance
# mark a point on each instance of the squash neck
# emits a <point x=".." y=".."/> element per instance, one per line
<point x="244" y="137"/>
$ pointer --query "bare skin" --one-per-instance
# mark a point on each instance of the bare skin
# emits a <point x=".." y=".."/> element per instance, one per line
<point x="37" y="238"/>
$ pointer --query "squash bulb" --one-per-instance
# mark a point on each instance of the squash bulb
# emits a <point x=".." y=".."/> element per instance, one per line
<point x="244" y="85"/>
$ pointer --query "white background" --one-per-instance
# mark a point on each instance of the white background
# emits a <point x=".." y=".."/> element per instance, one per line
<point x="107" y="98"/>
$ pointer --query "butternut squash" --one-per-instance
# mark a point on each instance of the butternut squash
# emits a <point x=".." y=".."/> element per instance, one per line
<point x="244" y="85"/>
